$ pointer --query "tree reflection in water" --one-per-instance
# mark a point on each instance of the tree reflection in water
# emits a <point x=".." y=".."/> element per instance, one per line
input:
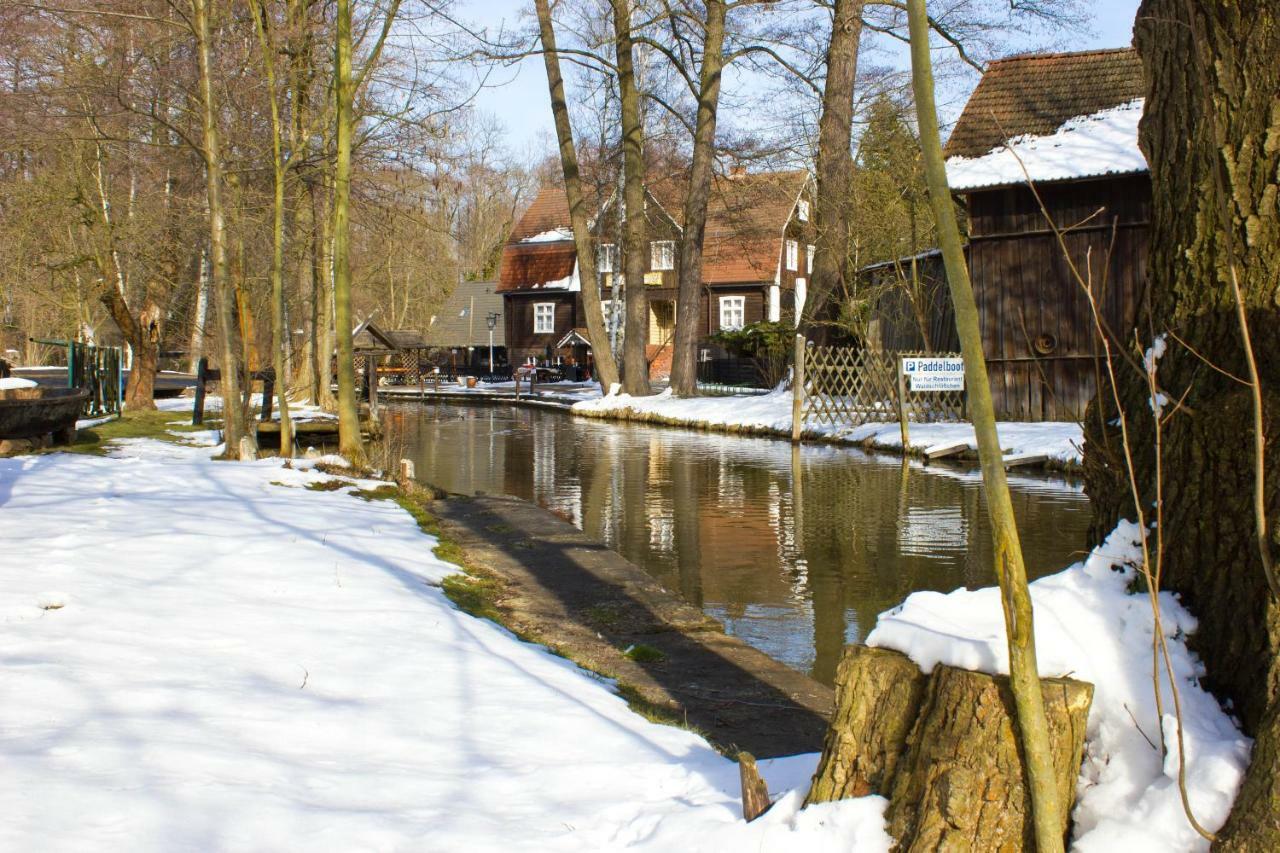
<point x="795" y="550"/>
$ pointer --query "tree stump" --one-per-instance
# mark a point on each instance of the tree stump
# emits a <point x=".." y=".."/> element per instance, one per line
<point x="942" y="748"/>
<point x="878" y="696"/>
<point x="960" y="784"/>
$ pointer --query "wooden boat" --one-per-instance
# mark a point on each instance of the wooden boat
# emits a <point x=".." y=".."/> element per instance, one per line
<point x="35" y="412"/>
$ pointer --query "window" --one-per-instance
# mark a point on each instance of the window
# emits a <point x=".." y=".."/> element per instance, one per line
<point x="662" y="255"/>
<point x="809" y="250"/>
<point x="732" y="312"/>
<point x="607" y="257"/>
<point x="793" y="255"/>
<point x="544" y="318"/>
<point x="802" y="210"/>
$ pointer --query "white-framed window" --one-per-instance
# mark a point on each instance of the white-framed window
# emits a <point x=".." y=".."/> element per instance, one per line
<point x="733" y="312"/>
<point x="662" y="255"/>
<point x="607" y="257"/>
<point x="793" y="255"/>
<point x="809" y="250"/>
<point x="802" y="210"/>
<point x="775" y="303"/>
<point x="544" y="318"/>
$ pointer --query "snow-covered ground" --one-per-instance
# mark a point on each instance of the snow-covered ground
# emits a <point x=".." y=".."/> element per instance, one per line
<point x="207" y="655"/>
<point x="1060" y="442"/>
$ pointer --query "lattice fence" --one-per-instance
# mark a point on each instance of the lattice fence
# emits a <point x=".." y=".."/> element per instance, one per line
<point x="848" y="386"/>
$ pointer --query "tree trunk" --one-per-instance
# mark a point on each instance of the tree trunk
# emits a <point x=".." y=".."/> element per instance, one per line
<point x="1048" y="812"/>
<point x="684" y="356"/>
<point x="350" y="444"/>
<point x="1210" y="132"/>
<point x="833" y="201"/>
<point x="942" y="748"/>
<point x="878" y="697"/>
<point x="961" y="784"/>
<point x="606" y="369"/>
<point x="233" y="420"/>
<point x="278" y="334"/>
<point x="635" y="367"/>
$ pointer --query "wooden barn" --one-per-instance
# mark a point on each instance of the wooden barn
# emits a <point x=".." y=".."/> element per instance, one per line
<point x="1069" y="123"/>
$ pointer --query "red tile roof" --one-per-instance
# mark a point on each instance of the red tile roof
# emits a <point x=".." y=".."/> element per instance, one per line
<point x="528" y="266"/>
<point x="1037" y="93"/>
<point x="745" y="220"/>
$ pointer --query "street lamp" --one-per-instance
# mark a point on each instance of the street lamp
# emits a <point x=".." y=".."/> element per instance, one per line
<point x="492" y="320"/>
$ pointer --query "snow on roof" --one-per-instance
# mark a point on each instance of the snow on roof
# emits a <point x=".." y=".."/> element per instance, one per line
<point x="1102" y="143"/>
<point x="552" y="236"/>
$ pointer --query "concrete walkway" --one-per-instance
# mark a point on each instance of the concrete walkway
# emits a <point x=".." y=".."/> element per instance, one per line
<point x="578" y="597"/>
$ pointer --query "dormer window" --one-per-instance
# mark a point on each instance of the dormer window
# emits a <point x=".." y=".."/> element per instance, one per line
<point x="793" y="255"/>
<point x="607" y="257"/>
<point x="802" y="210"/>
<point x="662" y="255"/>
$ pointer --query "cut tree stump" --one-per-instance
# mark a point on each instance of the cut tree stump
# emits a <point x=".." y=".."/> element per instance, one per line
<point x="878" y="696"/>
<point x="942" y="748"/>
<point x="960" y="784"/>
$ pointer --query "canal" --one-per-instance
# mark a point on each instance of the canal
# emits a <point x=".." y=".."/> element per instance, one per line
<point x="795" y="551"/>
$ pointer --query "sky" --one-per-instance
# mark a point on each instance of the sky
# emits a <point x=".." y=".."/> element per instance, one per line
<point x="518" y="94"/>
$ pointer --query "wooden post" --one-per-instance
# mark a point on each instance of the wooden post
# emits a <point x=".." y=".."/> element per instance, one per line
<point x="755" y="793"/>
<point x="797" y="390"/>
<point x="902" y="406"/>
<point x="202" y="371"/>
<point x="371" y="382"/>
<point x="407" y="473"/>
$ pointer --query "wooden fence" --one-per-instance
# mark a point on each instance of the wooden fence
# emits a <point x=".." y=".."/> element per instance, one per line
<point x="850" y="386"/>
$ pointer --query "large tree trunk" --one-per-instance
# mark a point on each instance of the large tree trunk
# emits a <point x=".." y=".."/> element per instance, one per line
<point x="279" y="337"/>
<point x="1211" y="134"/>
<point x="942" y="748"/>
<point x="833" y="202"/>
<point x="233" y="420"/>
<point x="606" y="369"/>
<point x="350" y="443"/>
<point x="635" y="246"/>
<point x="684" y="356"/>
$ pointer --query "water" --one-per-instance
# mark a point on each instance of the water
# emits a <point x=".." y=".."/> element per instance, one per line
<point x="796" y="572"/>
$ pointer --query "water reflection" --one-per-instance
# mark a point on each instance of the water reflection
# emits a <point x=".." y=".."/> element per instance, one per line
<point x="795" y="550"/>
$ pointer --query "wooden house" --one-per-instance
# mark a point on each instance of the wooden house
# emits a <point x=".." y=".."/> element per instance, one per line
<point x="1069" y="122"/>
<point x="459" y="335"/>
<point x="756" y="256"/>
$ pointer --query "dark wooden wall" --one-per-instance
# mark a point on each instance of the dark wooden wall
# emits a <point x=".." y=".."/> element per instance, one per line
<point x="1026" y="291"/>
<point x="521" y="341"/>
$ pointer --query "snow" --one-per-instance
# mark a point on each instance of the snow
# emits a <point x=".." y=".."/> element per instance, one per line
<point x="11" y="383"/>
<point x="205" y="655"/>
<point x="1089" y="626"/>
<point x="1102" y="143"/>
<point x="552" y="236"/>
<point x="1061" y="442"/>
